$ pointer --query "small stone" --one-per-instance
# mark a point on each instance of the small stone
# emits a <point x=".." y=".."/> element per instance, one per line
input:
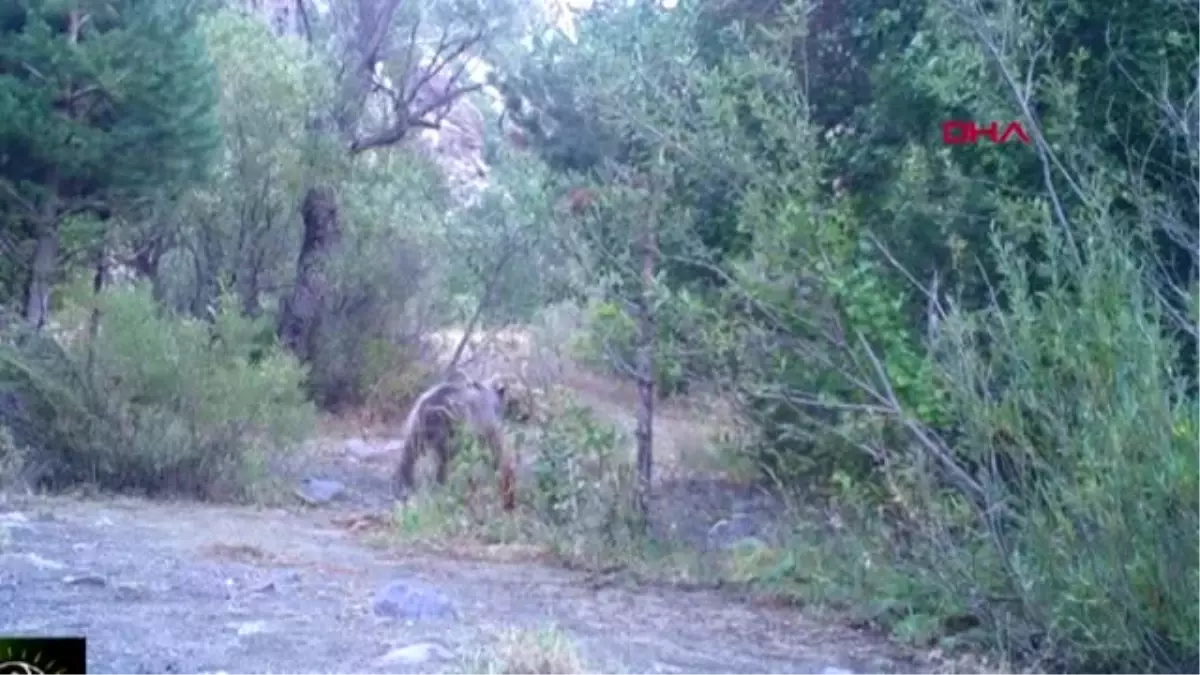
<point x="318" y="491"/>
<point x="360" y="449"/>
<point x="93" y="580"/>
<point x="411" y="601"/>
<point x="834" y="670"/>
<point x="272" y="585"/>
<point x="414" y="654"/>
<point x="728" y="533"/>
<point x="130" y="590"/>
<point x="250" y="627"/>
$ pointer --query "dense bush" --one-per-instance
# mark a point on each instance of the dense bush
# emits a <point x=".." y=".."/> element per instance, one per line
<point x="583" y="479"/>
<point x="1057" y="518"/>
<point x="1078" y="428"/>
<point x="372" y="327"/>
<point x="973" y="351"/>
<point x="155" y="403"/>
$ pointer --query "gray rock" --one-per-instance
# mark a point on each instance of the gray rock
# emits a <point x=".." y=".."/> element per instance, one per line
<point x="245" y="628"/>
<point x="33" y="560"/>
<point x="93" y="580"/>
<point x="14" y="519"/>
<point x="360" y="449"/>
<point x="834" y="670"/>
<point x="414" y="654"/>
<point x="318" y="491"/>
<point x="272" y="585"/>
<point x="413" y="601"/>
<point x="130" y="591"/>
<point x="731" y="532"/>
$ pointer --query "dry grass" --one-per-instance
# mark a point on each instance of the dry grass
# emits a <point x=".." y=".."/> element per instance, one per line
<point x="969" y="664"/>
<point x="244" y="553"/>
<point x="542" y="651"/>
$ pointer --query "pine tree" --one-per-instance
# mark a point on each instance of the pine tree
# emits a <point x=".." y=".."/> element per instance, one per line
<point x="100" y="101"/>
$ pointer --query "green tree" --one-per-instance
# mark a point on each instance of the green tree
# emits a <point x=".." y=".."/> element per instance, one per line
<point x="99" y="102"/>
<point x="401" y="68"/>
<point x="239" y="228"/>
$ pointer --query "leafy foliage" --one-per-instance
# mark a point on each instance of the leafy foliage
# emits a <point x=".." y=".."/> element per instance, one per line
<point x="239" y="227"/>
<point x="154" y="404"/>
<point x="981" y="357"/>
<point x="894" y="316"/>
<point x="121" y="101"/>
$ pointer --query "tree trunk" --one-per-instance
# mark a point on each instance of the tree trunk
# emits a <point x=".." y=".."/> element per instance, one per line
<point x="41" y="275"/>
<point x="647" y="340"/>
<point x="322" y="233"/>
<point x="248" y="283"/>
<point x="45" y="259"/>
<point x="208" y="259"/>
<point x="101" y="270"/>
<point x="146" y="265"/>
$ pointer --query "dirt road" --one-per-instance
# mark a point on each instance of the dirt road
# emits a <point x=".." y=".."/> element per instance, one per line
<point x="175" y="588"/>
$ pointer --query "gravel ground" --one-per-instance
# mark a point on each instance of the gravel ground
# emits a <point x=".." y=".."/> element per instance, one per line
<point x="184" y="588"/>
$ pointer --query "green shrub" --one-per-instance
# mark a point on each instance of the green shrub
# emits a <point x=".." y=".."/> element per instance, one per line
<point x="584" y="482"/>
<point x="370" y="327"/>
<point x="609" y="343"/>
<point x="1072" y="529"/>
<point x="155" y="403"/>
<point x="804" y="355"/>
<point x="14" y="460"/>
<point x="523" y="650"/>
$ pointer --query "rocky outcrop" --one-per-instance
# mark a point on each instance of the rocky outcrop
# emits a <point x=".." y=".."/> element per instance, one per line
<point x="457" y="147"/>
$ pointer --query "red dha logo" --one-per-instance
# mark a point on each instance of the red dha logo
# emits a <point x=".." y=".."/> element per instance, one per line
<point x="967" y="133"/>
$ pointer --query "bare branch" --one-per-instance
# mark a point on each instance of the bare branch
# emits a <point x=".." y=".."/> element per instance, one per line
<point x="1022" y="92"/>
<point x="373" y="30"/>
<point x="414" y="106"/>
<point x="305" y="23"/>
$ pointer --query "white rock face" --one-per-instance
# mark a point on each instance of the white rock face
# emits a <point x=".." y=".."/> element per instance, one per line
<point x="280" y="14"/>
<point x="457" y="147"/>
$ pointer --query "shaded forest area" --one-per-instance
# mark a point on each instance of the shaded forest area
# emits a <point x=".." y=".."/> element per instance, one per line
<point x="981" y="358"/>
